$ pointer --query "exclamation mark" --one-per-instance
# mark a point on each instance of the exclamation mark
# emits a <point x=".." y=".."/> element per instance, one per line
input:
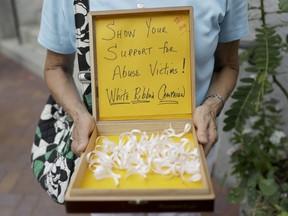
<point x="183" y="65"/>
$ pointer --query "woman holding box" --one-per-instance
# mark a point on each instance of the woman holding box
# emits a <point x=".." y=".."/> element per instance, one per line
<point x="218" y="27"/>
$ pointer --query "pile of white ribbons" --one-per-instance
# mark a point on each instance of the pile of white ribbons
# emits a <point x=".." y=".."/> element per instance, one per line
<point x="138" y="153"/>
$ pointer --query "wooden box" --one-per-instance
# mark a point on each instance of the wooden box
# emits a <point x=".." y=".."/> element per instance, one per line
<point x="142" y="78"/>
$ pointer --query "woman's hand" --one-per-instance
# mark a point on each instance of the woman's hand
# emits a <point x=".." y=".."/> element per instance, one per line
<point x="84" y="125"/>
<point x="59" y="79"/>
<point x="223" y="81"/>
<point x="206" y="128"/>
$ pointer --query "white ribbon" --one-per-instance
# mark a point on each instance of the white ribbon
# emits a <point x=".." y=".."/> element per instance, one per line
<point x="137" y="153"/>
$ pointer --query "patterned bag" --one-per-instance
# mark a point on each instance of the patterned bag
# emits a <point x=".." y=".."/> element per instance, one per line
<point x="52" y="159"/>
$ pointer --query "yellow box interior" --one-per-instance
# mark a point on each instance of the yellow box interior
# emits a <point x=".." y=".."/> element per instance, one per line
<point x="153" y="181"/>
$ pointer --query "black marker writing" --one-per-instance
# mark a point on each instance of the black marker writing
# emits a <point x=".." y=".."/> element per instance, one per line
<point x="136" y="52"/>
<point x="123" y="72"/>
<point x="166" y="48"/>
<point x="154" y="29"/>
<point x="157" y="69"/>
<point x="167" y="94"/>
<point x="111" y="53"/>
<point x="118" y="33"/>
<point x="117" y="96"/>
<point x="143" y="93"/>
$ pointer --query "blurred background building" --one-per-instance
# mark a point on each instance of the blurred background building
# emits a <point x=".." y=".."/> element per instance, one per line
<point x="19" y="26"/>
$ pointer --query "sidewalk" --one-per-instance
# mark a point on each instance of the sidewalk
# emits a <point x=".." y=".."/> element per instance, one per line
<point x="22" y="96"/>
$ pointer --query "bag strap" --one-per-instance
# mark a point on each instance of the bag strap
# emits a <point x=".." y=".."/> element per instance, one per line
<point x="81" y="9"/>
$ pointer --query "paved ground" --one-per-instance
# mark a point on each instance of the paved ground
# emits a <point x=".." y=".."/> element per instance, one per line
<point x="22" y="96"/>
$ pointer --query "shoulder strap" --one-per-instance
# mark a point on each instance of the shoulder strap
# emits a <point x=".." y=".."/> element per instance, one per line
<point x="81" y="9"/>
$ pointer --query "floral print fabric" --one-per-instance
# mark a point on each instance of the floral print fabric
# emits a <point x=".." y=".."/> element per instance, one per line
<point x="52" y="160"/>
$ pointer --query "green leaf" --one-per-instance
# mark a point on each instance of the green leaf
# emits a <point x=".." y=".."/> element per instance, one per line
<point x="247" y="80"/>
<point x="274" y="199"/>
<point x="268" y="186"/>
<point x="285" y="186"/>
<point x="251" y="189"/>
<point x="236" y="195"/>
<point x="283" y="214"/>
<point x="283" y="5"/>
<point x="245" y="56"/>
<point x="251" y="69"/>
<point x="261" y="78"/>
<point x="228" y="127"/>
<point x="260" y="213"/>
<point x="252" y="181"/>
<point x="251" y="197"/>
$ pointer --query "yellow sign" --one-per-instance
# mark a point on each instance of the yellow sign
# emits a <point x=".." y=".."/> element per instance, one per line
<point x="143" y="65"/>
